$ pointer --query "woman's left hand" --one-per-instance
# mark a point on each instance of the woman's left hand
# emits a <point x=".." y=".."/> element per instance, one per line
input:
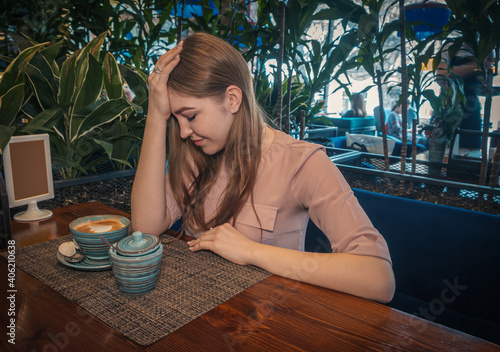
<point x="225" y="241"/>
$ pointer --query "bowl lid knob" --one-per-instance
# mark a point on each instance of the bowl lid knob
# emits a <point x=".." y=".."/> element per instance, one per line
<point x="138" y="244"/>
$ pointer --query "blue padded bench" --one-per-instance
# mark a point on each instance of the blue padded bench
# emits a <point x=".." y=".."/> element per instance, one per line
<point x="446" y="260"/>
<point x="362" y="125"/>
<point x="340" y="142"/>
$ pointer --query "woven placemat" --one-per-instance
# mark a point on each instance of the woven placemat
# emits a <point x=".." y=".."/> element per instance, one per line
<point x="190" y="284"/>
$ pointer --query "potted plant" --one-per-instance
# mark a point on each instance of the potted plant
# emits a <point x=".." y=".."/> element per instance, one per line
<point x="74" y="103"/>
<point x="446" y="117"/>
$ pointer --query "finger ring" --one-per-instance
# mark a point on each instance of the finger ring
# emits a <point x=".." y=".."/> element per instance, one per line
<point x="157" y="70"/>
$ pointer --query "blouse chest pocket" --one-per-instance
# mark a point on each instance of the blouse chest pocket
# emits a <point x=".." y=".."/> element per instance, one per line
<point x="263" y="216"/>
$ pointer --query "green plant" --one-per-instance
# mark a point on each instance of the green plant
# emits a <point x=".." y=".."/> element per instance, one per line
<point x="266" y="95"/>
<point x="54" y="20"/>
<point x="214" y="24"/>
<point x="419" y="73"/>
<point x="312" y="64"/>
<point x="447" y="108"/>
<point x="122" y="140"/>
<point x="72" y="102"/>
<point x="477" y="24"/>
<point x="41" y="20"/>
<point x="138" y="35"/>
<point x="373" y="34"/>
<point x="12" y="91"/>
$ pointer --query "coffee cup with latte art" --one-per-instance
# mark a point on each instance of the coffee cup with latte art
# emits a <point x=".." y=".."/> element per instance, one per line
<point x="86" y="231"/>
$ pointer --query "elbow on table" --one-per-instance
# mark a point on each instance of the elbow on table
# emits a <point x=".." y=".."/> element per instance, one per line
<point x="386" y="294"/>
<point x="372" y="278"/>
<point x="386" y="287"/>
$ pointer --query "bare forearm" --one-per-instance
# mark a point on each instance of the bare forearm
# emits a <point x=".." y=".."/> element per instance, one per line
<point x="148" y="206"/>
<point x="363" y="276"/>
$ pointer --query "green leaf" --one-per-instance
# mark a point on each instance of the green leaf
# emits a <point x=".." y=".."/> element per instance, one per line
<point x="432" y="98"/>
<point x="118" y="135"/>
<point x="10" y="104"/>
<point x="94" y="47"/>
<point x="68" y="164"/>
<point x="22" y="41"/>
<point x="104" y="113"/>
<point x="112" y="77"/>
<point x="89" y="83"/>
<point x="44" y="121"/>
<point x="50" y="53"/>
<point x="5" y="133"/>
<point x="137" y="82"/>
<point x="121" y="161"/>
<point x="108" y="148"/>
<point x="367" y="26"/>
<point x="45" y="69"/>
<point x="43" y="85"/>
<point x="75" y="123"/>
<point x="14" y="73"/>
<point x="67" y="81"/>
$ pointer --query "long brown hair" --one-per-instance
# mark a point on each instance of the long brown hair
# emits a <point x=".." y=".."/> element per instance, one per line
<point x="208" y="65"/>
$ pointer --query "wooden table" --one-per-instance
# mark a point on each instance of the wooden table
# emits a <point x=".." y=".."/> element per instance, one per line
<point x="275" y="315"/>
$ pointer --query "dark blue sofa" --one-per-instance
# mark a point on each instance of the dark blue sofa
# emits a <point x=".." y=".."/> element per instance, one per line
<point x="446" y="260"/>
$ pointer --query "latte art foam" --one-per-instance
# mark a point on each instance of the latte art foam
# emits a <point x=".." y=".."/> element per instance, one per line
<point x="99" y="226"/>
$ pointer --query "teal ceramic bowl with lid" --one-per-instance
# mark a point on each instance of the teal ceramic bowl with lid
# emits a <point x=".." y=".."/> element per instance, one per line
<point x="136" y="263"/>
<point x="138" y="244"/>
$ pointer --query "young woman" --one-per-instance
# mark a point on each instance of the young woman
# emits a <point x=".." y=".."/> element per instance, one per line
<point x="244" y="190"/>
<point x="394" y="127"/>
<point x="358" y="108"/>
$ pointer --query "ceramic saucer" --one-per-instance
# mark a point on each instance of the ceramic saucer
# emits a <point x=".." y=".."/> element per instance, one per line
<point x="85" y="265"/>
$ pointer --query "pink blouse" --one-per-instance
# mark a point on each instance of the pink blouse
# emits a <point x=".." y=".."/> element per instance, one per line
<point x="297" y="180"/>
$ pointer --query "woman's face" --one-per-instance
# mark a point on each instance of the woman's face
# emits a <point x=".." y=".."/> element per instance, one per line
<point x="205" y="121"/>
